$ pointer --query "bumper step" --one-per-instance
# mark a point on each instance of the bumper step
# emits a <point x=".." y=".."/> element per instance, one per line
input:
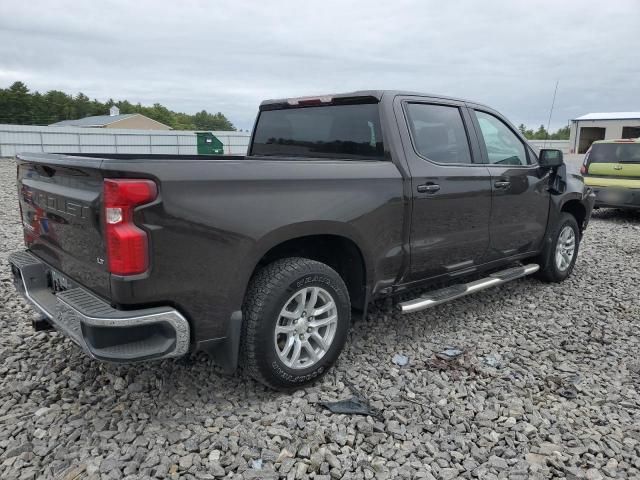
<point x="102" y="331"/>
<point x="436" y="297"/>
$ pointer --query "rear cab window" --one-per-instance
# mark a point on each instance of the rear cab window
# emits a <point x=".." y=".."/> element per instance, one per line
<point x="332" y="131"/>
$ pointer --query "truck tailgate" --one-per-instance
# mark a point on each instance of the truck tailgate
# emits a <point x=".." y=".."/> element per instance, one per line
<point x="60" y="203"/>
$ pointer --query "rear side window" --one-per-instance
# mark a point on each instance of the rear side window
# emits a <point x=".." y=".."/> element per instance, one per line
<point x="343" y="131"/>
<point x="615" y="153"/>
<point x="438" y="133"/>
<point x="503" y="146"/>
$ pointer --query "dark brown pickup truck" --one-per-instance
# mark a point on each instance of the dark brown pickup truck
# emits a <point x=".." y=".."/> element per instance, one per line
<point x="262" y="259"/>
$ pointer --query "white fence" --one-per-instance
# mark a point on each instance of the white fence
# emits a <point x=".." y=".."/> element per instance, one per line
<point x="26" y="138"/>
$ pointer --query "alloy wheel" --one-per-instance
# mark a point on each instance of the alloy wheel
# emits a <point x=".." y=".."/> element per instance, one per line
<point x="306" y="327"/>
<point x="565" y="248"/>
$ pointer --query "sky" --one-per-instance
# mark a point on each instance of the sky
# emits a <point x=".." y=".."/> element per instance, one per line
<point x="229" y="55"/>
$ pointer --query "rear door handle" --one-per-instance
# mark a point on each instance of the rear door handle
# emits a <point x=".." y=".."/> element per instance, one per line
<point x="428" y="188"/>
<point x="502" y="184"/>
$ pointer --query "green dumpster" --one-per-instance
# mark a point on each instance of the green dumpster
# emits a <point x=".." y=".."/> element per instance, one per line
<point x="209" y="144"/>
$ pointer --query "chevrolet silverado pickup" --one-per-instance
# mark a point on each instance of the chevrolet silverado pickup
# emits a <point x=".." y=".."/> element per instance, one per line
<point x="262" y="260"/>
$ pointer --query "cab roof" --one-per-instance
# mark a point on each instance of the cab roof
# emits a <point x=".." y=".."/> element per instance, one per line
<point x="373" y="96"/>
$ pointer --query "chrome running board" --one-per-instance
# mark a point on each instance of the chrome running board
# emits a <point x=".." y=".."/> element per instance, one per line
<point x="436" y="297"/>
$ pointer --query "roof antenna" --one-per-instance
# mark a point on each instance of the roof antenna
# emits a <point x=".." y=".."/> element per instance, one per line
<point x="553" y="102"/>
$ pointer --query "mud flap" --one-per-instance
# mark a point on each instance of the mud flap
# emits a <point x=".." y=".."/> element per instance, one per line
<point x="225" y="354"/>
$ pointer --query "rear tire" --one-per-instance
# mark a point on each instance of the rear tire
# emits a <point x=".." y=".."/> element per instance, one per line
<point x="296" y="318"/>
<point x="561" y="251"/>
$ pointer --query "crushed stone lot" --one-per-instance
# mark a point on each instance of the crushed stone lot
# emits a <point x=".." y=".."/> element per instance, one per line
<point x="547" y="387"/>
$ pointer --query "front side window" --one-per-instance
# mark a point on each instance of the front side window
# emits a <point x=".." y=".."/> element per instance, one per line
<point x="438" y="133"/>
<point x="503" y="146"/>
<point x="335" y="131"/>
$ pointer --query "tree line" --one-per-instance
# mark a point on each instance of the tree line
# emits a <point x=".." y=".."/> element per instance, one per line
<point x="542" y="134"/>
<point x="20" y="106"/>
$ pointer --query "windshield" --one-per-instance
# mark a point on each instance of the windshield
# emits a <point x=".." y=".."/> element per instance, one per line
<point x="335" y="131"/>
<point x="615" y="153"/>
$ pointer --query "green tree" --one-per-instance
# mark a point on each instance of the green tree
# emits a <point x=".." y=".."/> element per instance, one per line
<point x="59" y="106"/>
<point x="159" y="113"/>
<point x="82" y="106"/>
<point x="39" y="110"/>
<point x="207" y="121"/>
<point x="542" y="134"/>
<point x="528" y="133"/>
<point x="562" y="133"/>
<point x="19" y="106"/>
<point x="182" y="121"/>
<point x="15" y="103"/>
<point x="126" y="107"/>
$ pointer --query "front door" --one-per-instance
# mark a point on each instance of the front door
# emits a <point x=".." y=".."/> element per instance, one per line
<point x="520" y="200"/>
<point x="451" y="189"/>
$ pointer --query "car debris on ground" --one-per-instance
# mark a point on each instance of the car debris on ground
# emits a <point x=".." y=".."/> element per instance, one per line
<point x="449" y="353"/>
<point x="400" y="359"/>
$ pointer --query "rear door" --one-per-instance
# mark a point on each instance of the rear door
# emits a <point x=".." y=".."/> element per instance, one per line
<point x="520" y="200"/>
<point x="451" y="189"/>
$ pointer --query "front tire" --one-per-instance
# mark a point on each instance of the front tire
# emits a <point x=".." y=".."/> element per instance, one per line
<point x="296" y="318"/>
<point x="560" y="253"/>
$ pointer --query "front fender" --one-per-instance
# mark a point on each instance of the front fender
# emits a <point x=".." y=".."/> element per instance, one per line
<point x="569" y="187"/>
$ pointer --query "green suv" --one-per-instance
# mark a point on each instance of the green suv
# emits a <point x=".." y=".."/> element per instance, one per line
<point x="612" y="169"/>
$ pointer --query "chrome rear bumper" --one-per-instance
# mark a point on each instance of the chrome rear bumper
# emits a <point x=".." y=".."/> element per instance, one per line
<point x="102" y="331"/>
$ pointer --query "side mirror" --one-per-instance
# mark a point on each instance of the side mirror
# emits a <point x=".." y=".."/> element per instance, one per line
<point x="550" y="158"/>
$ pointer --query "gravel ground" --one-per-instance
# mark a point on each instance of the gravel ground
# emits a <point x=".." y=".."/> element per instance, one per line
<point x="547" y="387"/>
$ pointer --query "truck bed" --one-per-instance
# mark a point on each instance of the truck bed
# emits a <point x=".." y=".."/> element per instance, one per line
<point x="213" y="219"/>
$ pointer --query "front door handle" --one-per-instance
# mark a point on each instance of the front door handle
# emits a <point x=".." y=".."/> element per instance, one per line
<point x="428" y="188"/>
<point x="502" y="184"/>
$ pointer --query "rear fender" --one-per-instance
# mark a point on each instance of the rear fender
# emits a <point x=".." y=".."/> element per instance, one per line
<point x="301" y="230"/>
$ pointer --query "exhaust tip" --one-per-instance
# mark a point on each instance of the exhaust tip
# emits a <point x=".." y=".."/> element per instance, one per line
<point x="41" y="325"/>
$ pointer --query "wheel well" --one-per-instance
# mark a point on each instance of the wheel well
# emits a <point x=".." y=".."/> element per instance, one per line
<point x="340" y="253"/>
<point x="575" y="208"/>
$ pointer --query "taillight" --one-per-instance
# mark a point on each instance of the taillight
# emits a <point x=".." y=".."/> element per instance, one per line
<point x="127" y="244"/>
<point x="584" y="169"/>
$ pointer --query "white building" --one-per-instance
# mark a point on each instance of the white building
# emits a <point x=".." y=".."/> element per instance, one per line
<point x="602" y="126"/>
<point x="115" y="119"/>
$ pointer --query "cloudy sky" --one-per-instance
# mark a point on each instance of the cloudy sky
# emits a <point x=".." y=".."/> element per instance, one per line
<point x="228" y="55"/>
